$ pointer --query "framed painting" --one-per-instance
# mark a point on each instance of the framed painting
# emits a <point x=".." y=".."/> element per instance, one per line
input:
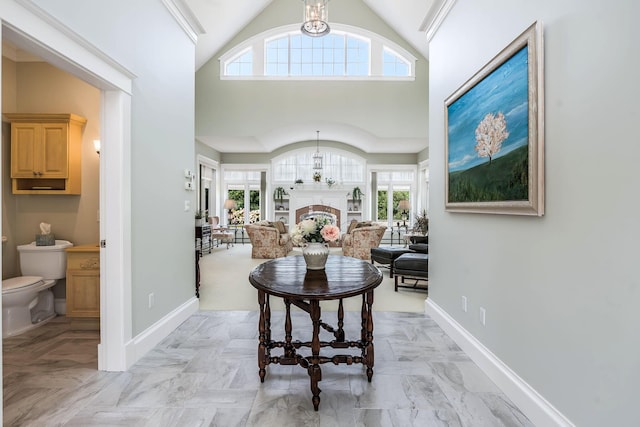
<point x="494" y="134"/>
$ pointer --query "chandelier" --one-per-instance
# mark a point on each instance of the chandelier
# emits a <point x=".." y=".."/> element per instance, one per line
<point x="317" y="158"/>
<point x="315" y="18"/>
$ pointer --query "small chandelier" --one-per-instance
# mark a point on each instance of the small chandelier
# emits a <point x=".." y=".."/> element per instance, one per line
<point x="317" y="158"/>
<point x="315" y="18"/>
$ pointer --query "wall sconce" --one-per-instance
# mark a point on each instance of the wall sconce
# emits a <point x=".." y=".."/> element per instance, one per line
<point x="96" y="145"/>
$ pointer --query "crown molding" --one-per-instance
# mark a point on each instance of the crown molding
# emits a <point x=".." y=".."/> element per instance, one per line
<point x="435" y="17"/>
<point x="185" y="17"/>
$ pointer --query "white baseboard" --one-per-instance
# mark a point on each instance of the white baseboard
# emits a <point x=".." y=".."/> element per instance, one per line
<point x="539" y="411"/>
<point x="149" y="338"/>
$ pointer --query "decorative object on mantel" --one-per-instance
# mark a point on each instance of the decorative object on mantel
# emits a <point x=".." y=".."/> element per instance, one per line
<point x="317" y="157"/>
<point x="299" y="181"/>
<point x="330" y="181"/>
<point x="313" y="235"/>
<point x="315" y="17"/>
<point x="317" y="176"/>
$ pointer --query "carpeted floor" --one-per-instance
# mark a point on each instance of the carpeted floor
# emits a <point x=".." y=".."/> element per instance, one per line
<point x="224" y="285"/>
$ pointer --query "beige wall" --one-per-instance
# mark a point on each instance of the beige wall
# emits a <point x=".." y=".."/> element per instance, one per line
<point x="37" y="87"/>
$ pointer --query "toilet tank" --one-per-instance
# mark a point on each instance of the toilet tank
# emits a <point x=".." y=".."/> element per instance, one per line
<point x="50" y="262"/>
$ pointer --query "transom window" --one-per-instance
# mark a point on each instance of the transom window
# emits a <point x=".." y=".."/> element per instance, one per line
<point x="346" y="53"/>
<point x="332" y="55"/>
<point x="298" y="165"/>
<point x="242" y="65"/>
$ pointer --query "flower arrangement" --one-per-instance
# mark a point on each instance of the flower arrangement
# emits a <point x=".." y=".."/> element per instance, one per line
<point x="317" y="176"/>
<point x="314" y="231"/>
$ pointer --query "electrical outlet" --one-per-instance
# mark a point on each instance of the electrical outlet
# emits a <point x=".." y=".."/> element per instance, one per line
<point x="464" y="304"/>
<point x="187" y="205"/>
<point x="151" y="300"/>
<point x="483" y="316"/>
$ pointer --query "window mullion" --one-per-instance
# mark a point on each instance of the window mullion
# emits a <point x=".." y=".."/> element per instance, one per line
<point x="344" y="49"/>
<point x="289" y="54"/>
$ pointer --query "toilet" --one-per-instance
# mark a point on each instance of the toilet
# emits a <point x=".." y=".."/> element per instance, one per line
<point x="27" y="301"/>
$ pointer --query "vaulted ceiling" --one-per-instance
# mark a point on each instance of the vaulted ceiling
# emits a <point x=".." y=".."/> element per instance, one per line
<point x="218" y="21"/>
<point x="222" y="19"/>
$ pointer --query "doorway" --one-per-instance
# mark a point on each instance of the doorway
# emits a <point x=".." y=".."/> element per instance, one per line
<point x="32" y="34"/>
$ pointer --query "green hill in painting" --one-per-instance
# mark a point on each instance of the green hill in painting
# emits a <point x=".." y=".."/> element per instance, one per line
<point x="504" y="179"/>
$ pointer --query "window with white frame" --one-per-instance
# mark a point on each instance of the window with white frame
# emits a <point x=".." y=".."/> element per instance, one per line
<point x="392" y="186"/>
<point x="243" y="187"/>
<point x="338" y="54"/>
<point x="337" y="165"/>
<point x="346" y="53"/>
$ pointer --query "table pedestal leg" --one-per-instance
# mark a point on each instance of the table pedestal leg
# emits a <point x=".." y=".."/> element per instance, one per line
<point x="315" y="373"/>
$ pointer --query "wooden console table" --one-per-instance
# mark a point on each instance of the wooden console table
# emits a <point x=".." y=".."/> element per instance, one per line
<point x="288" y="278"/>
<point x="203" y="238"/>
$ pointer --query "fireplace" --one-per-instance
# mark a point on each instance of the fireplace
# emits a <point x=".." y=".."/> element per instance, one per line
<point x="318" y="211"/>
<point x="319" y="198"/>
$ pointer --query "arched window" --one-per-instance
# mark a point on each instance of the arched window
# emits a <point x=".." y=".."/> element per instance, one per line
<point x="337" y="54"/>
<point x="340" y="166"/>
<point x="346" y="53"/>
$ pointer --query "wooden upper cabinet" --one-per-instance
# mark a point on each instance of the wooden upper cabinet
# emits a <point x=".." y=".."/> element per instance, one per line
<point x="46" y="152"/>
<point x="39" y="150"/>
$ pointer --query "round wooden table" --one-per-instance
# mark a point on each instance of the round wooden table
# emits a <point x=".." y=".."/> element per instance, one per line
<point x="288" y="278"/>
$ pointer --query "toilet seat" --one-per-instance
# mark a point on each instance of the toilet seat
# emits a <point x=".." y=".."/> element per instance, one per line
<point x="16" y="283"/>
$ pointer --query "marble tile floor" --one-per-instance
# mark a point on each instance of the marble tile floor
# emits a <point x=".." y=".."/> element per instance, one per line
<point x="205" y="374"/>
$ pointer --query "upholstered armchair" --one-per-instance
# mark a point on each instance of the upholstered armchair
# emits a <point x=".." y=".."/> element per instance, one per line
<point x="269" y="239"/>
<point x="360" y="238"/>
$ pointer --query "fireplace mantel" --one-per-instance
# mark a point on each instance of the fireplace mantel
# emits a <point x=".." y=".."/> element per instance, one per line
<point x="301" y="199"/>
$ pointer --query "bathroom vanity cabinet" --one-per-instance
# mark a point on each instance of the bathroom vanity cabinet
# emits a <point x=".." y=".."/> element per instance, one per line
<point x="46" y="152"/>
<point x="83" y="281"/>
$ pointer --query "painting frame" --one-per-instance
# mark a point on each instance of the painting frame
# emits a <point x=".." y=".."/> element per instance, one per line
<point x="470" y="186"/>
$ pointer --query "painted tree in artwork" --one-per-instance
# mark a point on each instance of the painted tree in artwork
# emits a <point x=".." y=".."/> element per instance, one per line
<point x="490" y="134"/>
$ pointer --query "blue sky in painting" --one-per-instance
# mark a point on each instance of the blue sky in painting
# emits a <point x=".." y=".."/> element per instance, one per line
<point x="504" y="90"/>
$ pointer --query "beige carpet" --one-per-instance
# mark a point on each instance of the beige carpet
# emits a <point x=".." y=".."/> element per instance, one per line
<point x="224" y="285"/>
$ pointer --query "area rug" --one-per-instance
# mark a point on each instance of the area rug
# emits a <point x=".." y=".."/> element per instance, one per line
<point x="224" y="285"/>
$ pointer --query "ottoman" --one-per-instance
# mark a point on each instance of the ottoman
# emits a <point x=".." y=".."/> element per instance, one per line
<point x="387" y="254"/>
<point x="414" y="266"/>
<point x="423" y="248"/>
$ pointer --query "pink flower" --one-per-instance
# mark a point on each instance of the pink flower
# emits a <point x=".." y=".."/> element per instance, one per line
<point x="330" y="233"/>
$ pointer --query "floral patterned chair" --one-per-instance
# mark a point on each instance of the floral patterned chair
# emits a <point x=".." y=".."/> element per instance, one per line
<point x="269" y="239"/>
<point x="360" y="238"/>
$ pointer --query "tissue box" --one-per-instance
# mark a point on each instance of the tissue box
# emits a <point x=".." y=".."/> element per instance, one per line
<point x="45" y="240"/>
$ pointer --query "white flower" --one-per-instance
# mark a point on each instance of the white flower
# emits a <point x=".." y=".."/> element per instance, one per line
<point x="308" y="226"/>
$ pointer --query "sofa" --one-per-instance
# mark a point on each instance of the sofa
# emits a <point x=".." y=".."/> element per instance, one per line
<point x="269" y="239"/>
<point x="360" y="238"/>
